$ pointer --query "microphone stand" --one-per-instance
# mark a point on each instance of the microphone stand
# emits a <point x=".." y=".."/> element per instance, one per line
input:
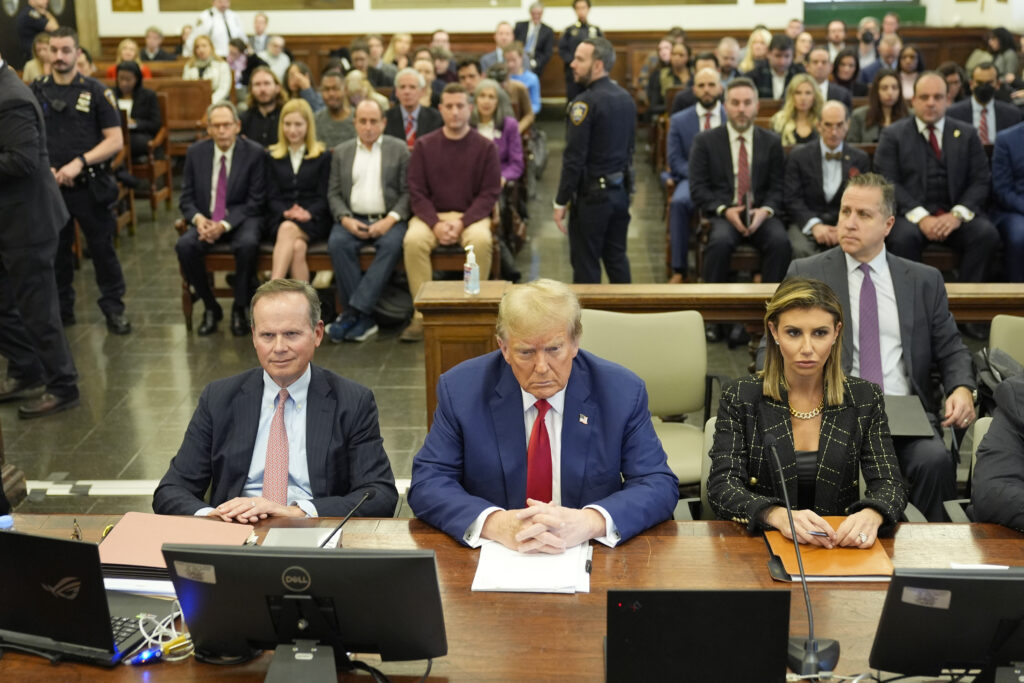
<point x="370" y="493"/>
<point x="806" y="656"/>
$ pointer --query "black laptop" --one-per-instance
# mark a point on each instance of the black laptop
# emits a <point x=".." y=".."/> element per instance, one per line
<point x="52" y="600"/>
<point x="697" y="635"/>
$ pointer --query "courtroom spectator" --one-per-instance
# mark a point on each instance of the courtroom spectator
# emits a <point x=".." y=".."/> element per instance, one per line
<point x="359" y="89"/>
<point x="492" y="117"/>
<point x="334" y="123"/>
<point x="369" y="201"/>
<point x="153" y="50"/>
<point x="956" y="82"/>
<point x="1008" y="193"/>
<point x="830" y="430"/>
<point x="141" y="107"/>
<point x="230" y="467"/>
<point x="259" y="37"/>
<point x="727" y="52"/>
<point x="468" y="74"/>
<point x="398" y="51"/>
<point x="454" y="183"/>
<point x="39" y="65"/>
<point x="889" y="48"/>
<point x="794" y="28"/>
<point x="835" y="35"/>
<point x="502" y="39"/>
<point x="445" y="65"/>
<point x="683" y="127"/>
<point x="988" y="115"/>
<point x="360" y="52"/>
<point x="731" y="167"/>
<point x="517" y="71"/>
<point x="570" y="39"/>
<point x="263" y="110"/>
<point x="816" y="177"/>
<point x="410" y="119"/>
<point x="537" y="39"/>
<point x="518" y="96"/>
<point x="275" y="57"/>
<point x="757" y="48"/>
<point x="819" y="66"/>
<point x="941" y="174"/>
<point x="846" y="73"/>
<point x="507" y="459"/>
<point x="299" y="79"/>
<point x="677" y="74"/>
<point x="440" y="38"/>
<point x="205" y="65"/>
<point x="797" y="121"/>
<point x="890" y="24"/>
<point x="911" y="66"/>
<point x="802" y="45"/>
<point x="375" y="43"/>
<point x="298" y="170"/>
<point x="997" y="486"/>
<point x="868" y="33"/>
<point x="905" y="340"/>
<point x="219" y="23"/>
<point x="1004" y="54"/>
<point x="184" y="48"/>
<point x="128" y="51"/>
<point x="771" y="77"/>
<point x="238" y="62"/>
<point x="685" y="99"/>
<point x="648" y="78"/>
<point x="84" y="64"/>
<point x="430" y="97"/>
<point x="222" y="192"/>
<point x="885" y="106"/>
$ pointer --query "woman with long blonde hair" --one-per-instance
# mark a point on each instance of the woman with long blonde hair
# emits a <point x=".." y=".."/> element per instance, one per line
<point x="397" y="52"/>
<point x="128" y="51"/>
<point x="756" y="49"/>
<point x="797" y="121"/>
<point x="205" y="64"/>
<point x="298" y="172"/>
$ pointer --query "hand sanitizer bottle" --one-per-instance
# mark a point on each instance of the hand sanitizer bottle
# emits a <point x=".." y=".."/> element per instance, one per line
<point x="471" y="272"/>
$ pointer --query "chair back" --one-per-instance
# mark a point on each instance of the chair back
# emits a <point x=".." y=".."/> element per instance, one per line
<point x="980" y="429"/>
<point x="705" y="469"/>
<point x="1008" y="334"/>
<point x="667" y="350"/>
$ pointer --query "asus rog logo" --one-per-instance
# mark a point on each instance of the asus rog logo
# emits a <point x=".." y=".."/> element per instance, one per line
<point x="67" y="588"/>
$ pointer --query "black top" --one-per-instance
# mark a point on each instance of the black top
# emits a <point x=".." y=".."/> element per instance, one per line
<point x="571" y="37"/>
<point x="259" y="128"/>
<point x="800" y="139"/>
<point x="145" y="110"/>
<point x="806" y="473"/>
<point x="29" y="24"/>
<point x="75" y="115"/>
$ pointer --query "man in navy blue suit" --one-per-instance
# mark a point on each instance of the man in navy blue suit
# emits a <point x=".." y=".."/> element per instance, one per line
<point x="1008" y="192"/>
<point x="683" y="127"/>
<point x="541" y="446"/>
<point x="288" y="440"/>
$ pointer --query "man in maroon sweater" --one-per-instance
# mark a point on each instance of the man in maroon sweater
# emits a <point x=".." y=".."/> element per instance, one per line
<point x="454" y="183"/>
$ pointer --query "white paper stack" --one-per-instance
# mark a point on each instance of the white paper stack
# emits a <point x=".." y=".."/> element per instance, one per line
<point x="505" y="570"/>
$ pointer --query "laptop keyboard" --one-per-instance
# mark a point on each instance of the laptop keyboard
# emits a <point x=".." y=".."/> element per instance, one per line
<point x="124" y="629"/>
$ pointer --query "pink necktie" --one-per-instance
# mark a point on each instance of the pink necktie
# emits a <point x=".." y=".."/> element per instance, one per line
<point x="275" y="471"/>
<point x="538" y="457"/>
<point x="983" y="126"/>
<point x="220" y="203"/>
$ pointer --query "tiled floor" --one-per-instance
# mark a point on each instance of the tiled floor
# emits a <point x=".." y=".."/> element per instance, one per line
<point x="139" y="391"/>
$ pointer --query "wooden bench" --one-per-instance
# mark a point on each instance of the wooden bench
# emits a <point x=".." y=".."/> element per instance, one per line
<point x="187" y="102"/>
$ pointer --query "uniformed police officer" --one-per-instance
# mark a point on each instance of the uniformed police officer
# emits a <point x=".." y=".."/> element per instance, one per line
<point x="596" y="168"/>
<point x="34" y="18"/>
<point x="570" y="39"/>
<point x="83" y="130"/>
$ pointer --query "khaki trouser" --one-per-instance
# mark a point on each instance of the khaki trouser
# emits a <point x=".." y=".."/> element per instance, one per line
<point x="420" y="241"/>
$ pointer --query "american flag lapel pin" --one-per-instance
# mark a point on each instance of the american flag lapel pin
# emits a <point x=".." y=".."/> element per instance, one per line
<point x="584" y="419"/>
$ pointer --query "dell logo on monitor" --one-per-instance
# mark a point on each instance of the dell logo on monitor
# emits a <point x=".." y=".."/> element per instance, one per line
<point x="296" y="579"/>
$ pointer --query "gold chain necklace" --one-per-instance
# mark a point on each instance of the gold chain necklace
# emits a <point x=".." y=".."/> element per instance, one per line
<point x="808" y="415"/>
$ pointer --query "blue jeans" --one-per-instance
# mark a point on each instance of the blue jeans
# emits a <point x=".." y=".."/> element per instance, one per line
<point x="355" y="289"/>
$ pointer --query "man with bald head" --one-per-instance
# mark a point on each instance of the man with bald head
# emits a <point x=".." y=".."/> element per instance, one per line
<point x="816" y="176"/>
<point x="728" y="54"/>
<point x="683" y="127"/>
<point x="942" y="176"/>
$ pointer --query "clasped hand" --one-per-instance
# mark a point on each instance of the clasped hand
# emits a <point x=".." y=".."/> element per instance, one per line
<point x="543" y="527"/>
<point x="756" y="218"/>
<point x="447" y="232"/>
<point x="252" y="510"/>
<point x="809" y="525"/>
<point x="297" y="213"/>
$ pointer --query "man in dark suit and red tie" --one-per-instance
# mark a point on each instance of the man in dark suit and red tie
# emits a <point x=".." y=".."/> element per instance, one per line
<point x="289" y="439"/>
<point x="410" y="120"/>
<point x="982" y="110"/>
<point x="222" y="192"/>
<point x="541" y="446"/>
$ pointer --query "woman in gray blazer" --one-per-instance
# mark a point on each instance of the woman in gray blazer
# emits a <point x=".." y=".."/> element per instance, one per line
<point x="885" y="106"/>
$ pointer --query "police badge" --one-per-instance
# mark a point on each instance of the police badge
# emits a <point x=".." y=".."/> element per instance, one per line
<point x="578" y="112"/>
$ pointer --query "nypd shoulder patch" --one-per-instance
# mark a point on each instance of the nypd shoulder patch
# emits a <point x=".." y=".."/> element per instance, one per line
<point x="578" y="112"/>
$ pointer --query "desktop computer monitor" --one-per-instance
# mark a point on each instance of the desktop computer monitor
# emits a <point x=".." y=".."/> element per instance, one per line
<point x="237" y="600"/>
<point x="938" y="620"/>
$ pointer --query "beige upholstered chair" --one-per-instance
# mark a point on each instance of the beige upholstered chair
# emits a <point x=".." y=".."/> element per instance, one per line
<point x="957" y="509"/>
<point x="1008" y="334"/>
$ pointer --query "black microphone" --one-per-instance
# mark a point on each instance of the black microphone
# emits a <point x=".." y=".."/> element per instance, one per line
<point x="370" y="493"/>
<point x="806" y="656"/>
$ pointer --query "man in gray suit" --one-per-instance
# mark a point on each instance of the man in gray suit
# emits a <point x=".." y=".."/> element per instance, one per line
<point x="369" y="198"/>
<point x="896" y="342"/>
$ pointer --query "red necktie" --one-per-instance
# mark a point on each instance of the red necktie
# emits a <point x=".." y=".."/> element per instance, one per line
<point x="410" y="134"/>
<point x="221" y="201"/>
<point x="538" y="457"/>
<point x="275" y="471"/>
<point x="983" y="126"/>
<point x="707" y="121"/>
<point x="934" y="142"/>
<point x="742" y="174"/>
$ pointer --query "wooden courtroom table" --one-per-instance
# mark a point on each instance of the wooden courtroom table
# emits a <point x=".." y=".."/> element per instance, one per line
<point x="513" y="636"/>
<point x="457" y="327"/>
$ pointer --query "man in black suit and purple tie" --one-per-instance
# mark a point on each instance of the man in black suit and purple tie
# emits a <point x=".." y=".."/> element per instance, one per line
<point x="288" y="439"/>
<point x="222" y="193"/>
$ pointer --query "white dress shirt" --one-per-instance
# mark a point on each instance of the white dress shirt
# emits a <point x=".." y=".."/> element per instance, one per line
<point x="217" y="154"/>
<point x="990" y="115"/>
<point x="831" y="179"/>
<point x="300" y="491"/>
<point x="917" y="213"/>
<point x="823" y="89"/>
<point x="553" y="422"/>
<point x="716" y="117"/>
<point x="778" y="85"/>
<point x="296" y="156"/>
<point x="367" y="197"/>
<point x="894" y="369"/>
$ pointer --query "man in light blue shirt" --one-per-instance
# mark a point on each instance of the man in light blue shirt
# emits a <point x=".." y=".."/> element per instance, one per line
<point x="518" y="72"/>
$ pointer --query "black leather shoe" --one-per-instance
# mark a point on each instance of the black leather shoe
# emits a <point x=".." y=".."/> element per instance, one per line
<point x="47" y="404"/>
<point x="11" y="388"/>
<point x="712" y="333"/>
<point x="239" y="326"/>
<point x="118" y="324"/>
<point x="210" y="319"/>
